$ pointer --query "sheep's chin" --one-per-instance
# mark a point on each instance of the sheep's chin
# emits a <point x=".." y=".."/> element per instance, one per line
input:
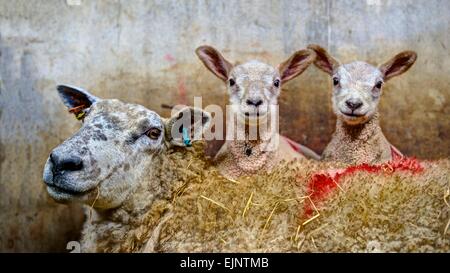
<point x="253" y="119"/>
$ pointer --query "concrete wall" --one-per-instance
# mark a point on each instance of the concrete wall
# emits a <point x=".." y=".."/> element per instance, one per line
<point x="143" y="52"/>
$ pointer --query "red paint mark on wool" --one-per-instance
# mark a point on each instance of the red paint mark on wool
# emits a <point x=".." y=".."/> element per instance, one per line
<point x="322" y="183"/>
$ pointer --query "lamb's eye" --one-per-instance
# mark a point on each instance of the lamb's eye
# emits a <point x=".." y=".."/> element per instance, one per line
<point x="379" y="84"/>
<point x="153" y="133"/>
<point x="232" y="82"/>
<point x="335" y="81"/>
<point x="276" y="83"/>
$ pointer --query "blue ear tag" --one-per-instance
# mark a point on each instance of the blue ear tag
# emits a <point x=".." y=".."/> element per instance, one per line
<point x="186" y="139"/>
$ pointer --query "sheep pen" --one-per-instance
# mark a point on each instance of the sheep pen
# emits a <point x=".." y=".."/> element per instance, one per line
<point x="397" y="211"/>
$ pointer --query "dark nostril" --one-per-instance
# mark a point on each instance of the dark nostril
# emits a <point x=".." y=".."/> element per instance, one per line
<point x="353" y="105"/>
<point x="52" y="158"/>
<point x="69" y="163"/>
<point x="255" y="103"/>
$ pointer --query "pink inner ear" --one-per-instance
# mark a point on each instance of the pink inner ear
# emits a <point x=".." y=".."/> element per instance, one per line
<point x="398" y="65"/>
<point x="326" y="65"/>
<point x="288" y="73"/>
<point x="214" y="62"/>
<point x="295" y="67"/>
<point x="220" y="67"/>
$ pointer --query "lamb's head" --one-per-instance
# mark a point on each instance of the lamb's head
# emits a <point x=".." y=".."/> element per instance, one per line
<point x="254" y="86"/>
<point x="106" y="159"/>
<point x="357" y="86"/>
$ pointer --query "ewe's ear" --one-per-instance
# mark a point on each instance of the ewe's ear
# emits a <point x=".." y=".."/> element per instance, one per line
<point x="296" y="64"/>
<point x="187" y="126"/>
<point x="324" y="61"/>
<point x="214" y="61"/>
<point x="398" y="65"/>
<point x="76" y="99"/>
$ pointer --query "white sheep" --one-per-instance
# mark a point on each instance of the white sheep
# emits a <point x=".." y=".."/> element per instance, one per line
<point x="357" y="88"/>
<point x="118" y="165"/>
<point x="253" y="89"/>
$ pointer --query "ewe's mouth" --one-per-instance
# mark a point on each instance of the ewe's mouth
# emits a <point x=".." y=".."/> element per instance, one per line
<point x="61" y="190"/>
<point x="63" y="195"/>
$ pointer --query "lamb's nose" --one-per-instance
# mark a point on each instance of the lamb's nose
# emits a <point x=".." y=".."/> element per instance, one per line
<point x="353" y="104"/>
<point x="255" y="103"/>
<point x="66" y="162"/>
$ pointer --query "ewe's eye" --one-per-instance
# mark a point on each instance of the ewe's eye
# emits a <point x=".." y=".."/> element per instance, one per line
<point x="379" y="84"/>
<point x="335" y="81"/>
<point x="276" y="83"/>
<point x="153" y="133"/>
<point x="232" y="82"/>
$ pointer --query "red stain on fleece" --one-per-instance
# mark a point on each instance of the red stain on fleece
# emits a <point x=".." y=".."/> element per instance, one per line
<point x="322" y="183"/>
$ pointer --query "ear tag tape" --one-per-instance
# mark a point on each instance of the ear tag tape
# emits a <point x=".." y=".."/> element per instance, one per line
<point x="186" y="139"/>
<point x="78" y="112"/>
<point x="80" y="116"/>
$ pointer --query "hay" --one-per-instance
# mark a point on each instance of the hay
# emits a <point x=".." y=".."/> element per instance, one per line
<point x="266" y="213"/>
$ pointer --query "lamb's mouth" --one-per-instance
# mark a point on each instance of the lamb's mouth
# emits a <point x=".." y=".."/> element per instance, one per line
<point x="254" y="115"/>
<point x="253" y="118"/>
<point x="353" y="115"/>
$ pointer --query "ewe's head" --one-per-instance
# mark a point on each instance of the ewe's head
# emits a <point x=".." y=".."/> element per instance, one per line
<point x="357" y="86"/>
<point x="105" y="160"/>
<point x="254" y="86"/>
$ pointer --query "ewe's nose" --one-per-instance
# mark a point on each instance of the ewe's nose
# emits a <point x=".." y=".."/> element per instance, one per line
<point x="353" y="104"/>
<point x="62" y="162"/>
<point x="254" y="102"/>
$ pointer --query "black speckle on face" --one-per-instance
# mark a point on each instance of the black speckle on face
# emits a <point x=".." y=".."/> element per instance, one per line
<point x="84" y="150"/>
<point x="126" y="167"/>
<point x="98" y="125"/>
<point x="99" y="136"/>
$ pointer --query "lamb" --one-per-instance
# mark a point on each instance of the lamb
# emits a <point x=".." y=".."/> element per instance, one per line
<point x="253" y="89"/>
<point x="121" y="164"/>
<point x="356" y="93"/>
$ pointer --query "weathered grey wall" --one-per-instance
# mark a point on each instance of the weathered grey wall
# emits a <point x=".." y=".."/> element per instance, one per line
<point x="143" y="52"/>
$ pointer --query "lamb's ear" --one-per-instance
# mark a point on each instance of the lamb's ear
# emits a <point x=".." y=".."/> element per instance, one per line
<point x="214" y="61"/>
<point x="187" y="126"/>
<point x="324" y="61"/>
<point x="76" y="99"/>
<point x="296" y="64"/>
<point x="398" y="65"/>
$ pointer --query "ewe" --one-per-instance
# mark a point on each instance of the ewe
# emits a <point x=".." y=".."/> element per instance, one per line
<point x="118" y="163"/>
<point x="356" y="93"/>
